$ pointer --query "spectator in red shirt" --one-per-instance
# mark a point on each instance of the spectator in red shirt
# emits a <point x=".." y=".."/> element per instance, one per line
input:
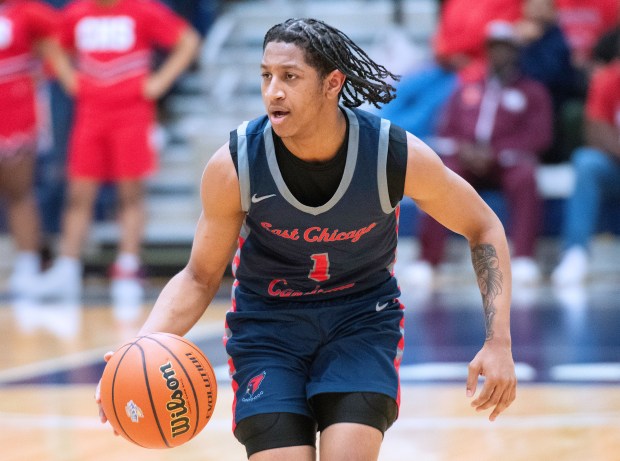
<point x="112" y="42"/>
<point x="584" y="22"/>
<point x="492" y="133"/>
<point x="26" y="33"/>
<point x="597" y="170"/>
<point x="459" y="43"/>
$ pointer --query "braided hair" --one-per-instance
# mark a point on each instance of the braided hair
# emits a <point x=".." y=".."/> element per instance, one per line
<point x="327" y="49"/>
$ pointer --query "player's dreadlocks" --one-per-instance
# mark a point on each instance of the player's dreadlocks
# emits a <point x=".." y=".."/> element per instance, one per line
<point x="327" y="49"/>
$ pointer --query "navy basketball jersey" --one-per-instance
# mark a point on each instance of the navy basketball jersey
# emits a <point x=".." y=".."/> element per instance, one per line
<point x="294" y="252"/>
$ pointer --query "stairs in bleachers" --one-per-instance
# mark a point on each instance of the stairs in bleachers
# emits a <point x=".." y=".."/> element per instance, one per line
<point x="224" y="91"/>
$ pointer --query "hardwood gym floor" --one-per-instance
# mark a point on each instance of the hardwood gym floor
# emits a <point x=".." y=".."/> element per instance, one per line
<point x="566" y="346"/>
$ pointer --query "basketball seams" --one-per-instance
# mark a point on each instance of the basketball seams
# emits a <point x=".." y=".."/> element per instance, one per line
<point x="148" y="389"/>
<point x="194" y="347"/>
<point x="113" y="390"/>
<point x="189" y="380"/>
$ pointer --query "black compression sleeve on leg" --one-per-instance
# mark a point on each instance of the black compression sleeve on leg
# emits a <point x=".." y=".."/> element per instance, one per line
<point x="368" y="408"/>
<point x="275" y="430"/>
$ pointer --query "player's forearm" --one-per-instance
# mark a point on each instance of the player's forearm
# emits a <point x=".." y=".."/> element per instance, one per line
<point x="180" y="304"/>
<point x="491" y="261"/>
<point x="180" y="58"/>
<point x="61" y="65"/>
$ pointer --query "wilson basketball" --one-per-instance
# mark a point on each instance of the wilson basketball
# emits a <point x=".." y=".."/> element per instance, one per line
<point x="158" y="390"/>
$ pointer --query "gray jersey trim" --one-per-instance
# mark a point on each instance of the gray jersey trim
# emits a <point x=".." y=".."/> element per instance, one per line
<point x="352" y="150"/>
<point x="382" y="155"/>
<point x="244" y="166"/>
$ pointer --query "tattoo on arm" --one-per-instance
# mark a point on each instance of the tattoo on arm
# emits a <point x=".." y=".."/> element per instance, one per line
<point x="486" y="265"/>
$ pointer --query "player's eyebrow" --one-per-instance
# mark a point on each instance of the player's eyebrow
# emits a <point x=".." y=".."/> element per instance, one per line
<point x="291" y="66"/>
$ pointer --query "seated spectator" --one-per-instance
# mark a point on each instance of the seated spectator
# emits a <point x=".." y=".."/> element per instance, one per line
<point x="546" y="57"/>
<point x="457" y="54"/>
<point x="583" y="23"/>
<point x="421" y="97"/>
<point x="492" y="133"/>
<point x="459" y="41"/>
<point x="597" y="169"/>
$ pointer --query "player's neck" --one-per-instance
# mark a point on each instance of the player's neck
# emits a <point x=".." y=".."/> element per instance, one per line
<point x="322" y="142"/>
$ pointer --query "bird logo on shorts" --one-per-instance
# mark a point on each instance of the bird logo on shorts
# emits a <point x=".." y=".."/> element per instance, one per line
<point x="251" y="391"/>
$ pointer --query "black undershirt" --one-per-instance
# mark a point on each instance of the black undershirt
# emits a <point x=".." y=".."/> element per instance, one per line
<point x="314" y="183"/>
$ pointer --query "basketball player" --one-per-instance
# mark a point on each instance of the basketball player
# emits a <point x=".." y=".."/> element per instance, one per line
<point x="26" y="33"/>
<point x="113" y="42"/>
<point x="309" y="195"/>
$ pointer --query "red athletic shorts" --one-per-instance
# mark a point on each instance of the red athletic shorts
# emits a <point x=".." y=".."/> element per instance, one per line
<point x="18" y="121"/>
<point x="110" y="144"/>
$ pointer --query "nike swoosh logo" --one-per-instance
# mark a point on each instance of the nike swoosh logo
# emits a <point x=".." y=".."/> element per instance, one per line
<point x="256" y="199"/>
<point x="380" y="307"/>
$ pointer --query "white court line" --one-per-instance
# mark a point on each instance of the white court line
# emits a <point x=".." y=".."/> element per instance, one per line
<point x="67" y="362"/>
<point x="432" y="371"/>
<point x="439" y="371"/>
<point x="586" y="372"/>
<point x="17" y="421"/>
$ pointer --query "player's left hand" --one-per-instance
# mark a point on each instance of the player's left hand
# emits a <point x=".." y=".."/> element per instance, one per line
<point x="102" y="417"/>
<point x="495" y="363"/>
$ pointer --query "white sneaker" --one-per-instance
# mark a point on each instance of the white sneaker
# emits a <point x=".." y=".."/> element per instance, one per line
<point x="573" y="268"/>
<point x="26" y="268"/>
<point x="127" y="292"/>
<point x="61" y="281"/>
<point x="525" y="271"/>
<point x="417" y="274"/>
<point x="127" y="298"/>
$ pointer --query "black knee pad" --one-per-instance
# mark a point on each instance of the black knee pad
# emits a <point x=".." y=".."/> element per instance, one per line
<point x="368" y="408"/>
<point x="275" y="430"/>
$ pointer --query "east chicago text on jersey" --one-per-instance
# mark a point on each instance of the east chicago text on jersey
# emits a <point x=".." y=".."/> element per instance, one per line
<point x="316" y="234"/>
<point x="279" y="288"/>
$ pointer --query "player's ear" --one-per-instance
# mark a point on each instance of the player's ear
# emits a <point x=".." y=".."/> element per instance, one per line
<point x="333" y="83"/>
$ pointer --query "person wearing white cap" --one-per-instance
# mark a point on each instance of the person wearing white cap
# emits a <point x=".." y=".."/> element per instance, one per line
<point x="492" y="132"/>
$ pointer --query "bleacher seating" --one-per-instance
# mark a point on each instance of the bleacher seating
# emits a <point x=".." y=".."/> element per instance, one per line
<point x="555" y="184"/>
<point x="226" y="91"/>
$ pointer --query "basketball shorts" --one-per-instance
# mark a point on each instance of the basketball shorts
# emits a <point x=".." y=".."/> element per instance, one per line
<point x="112" y="146"/>
<point x="283" y="356"/>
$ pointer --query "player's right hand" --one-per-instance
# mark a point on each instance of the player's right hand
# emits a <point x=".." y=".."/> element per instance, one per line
<point x="102" y="417"/>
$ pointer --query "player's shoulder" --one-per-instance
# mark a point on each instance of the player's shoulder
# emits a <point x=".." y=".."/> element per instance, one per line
<point x="220" y="169"/>
<point x="221" y="160"/>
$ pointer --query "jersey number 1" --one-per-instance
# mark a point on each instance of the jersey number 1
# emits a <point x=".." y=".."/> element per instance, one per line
<point x="320" y="268"/>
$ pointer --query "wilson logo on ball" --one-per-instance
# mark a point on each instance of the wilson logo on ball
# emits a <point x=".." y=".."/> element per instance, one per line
<point x="177" y="407"/>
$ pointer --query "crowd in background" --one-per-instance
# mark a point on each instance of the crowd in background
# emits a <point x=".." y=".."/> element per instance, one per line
<point x="512" y="84"/>
<point x="109" y="62"/>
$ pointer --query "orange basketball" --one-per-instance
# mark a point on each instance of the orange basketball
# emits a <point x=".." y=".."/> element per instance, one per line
<point x="158" y="390"/>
